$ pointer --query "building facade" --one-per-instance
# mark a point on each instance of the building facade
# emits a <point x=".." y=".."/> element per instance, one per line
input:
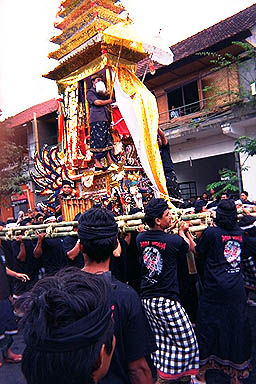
<point x="31" y="129"/>
<point x="205" y="105"/>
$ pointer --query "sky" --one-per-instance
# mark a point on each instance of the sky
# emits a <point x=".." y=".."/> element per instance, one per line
<point x="26" y="27"/>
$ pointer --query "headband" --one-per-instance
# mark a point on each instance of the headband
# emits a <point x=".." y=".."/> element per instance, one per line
<point x="97" y="233"/>
<point x="156" y="208"/>
<point x="226" y="213"/>
<point x="82" y="333"/>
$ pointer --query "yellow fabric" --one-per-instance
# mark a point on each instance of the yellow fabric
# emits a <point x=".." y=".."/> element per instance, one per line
<point x="125" y="35"/>
<point x="93" y="67"/>
<point x="146" y="109"/>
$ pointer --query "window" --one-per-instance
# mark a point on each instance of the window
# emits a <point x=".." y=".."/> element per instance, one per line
<point x="188" y="189"/>
<point x="184" y="100"/>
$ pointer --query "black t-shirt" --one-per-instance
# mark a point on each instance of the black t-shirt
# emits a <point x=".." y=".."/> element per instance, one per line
<point x="53" y="258"/>
<point x="118" y="265"/>
<point x="4" y="285"/>
<point x="159" y="252"/>
<point x="30" y="266"/>
<point x="222" y="278"/>
<point x="134" y="338"/>
<point x="7" y="247"/>
<point x="133" y="264"/>
<point x="69" y="242"/>
<point x="249" y="247"/>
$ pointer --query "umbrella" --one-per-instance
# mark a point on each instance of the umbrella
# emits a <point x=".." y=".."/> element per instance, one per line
<point x="124" y="34"/>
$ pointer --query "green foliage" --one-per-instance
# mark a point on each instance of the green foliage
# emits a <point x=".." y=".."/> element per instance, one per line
<point x="227" y="183"/>
<point x="13" y="165"/>
<point x="220" y="61"/>
<point x="226" y="60"/>
<point x="245" y="144"/>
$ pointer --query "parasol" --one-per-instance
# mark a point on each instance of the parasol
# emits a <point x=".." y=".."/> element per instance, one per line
<point x="124" y="34"/>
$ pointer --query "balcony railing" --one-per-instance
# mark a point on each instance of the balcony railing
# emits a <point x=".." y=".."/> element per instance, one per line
<point x="192" y="112"/>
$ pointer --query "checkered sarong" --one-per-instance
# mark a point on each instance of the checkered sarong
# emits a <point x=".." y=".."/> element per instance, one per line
<point x="249" y="273"/>
<point x="177" y="354"/>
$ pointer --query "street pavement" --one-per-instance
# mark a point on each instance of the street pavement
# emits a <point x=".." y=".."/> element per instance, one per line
<point x="11" y="373"/>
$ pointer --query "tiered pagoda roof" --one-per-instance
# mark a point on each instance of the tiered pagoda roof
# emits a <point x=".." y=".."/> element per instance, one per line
<point x="81" y="28"/>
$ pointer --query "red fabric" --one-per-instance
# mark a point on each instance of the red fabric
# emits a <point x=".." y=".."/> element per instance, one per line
<point x="60" y="120"/>
<point x="119" y="123"/>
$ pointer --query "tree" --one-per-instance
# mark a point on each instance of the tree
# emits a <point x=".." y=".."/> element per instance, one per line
<point x="13" y="165"/>
<point x="227" y="60"/>
<point x="227" y="183"/>
<point x="246" y="145"/>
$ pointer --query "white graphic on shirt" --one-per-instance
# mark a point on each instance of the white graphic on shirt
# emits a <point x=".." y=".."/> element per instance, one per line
<point x="232" y="253"/>
<point x="153" y="262"/>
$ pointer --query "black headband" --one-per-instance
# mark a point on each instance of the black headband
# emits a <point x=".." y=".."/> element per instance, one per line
<point x="97" y="233"/>
<point x="223" y="212"/>
<point x="156" y="208"/>
<point x="84" y="332"/>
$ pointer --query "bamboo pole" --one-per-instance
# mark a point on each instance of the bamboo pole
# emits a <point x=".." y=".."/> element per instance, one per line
<point x="126" y="223"/>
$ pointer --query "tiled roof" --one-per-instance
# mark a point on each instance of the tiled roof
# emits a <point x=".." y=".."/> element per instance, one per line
<point x="21" y="118"/>
<point x="211" y="36"/>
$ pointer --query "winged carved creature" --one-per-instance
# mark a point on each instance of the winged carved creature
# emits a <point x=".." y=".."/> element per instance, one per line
<point x="48" y="174"/>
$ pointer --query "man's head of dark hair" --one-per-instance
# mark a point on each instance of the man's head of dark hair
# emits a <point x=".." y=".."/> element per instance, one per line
<point x="26" y="221"/>
<point x="245" y="193"/>
<point x="153" y="210"/>
<point x="54" y="304"/>
<point x="199" y="204"/>
<point x="98" y="231"/>
<point x="226" y="214"/>
<point x="247" y="223"/>
<point x="135" y="210"/>
<point x="225" y="195"/>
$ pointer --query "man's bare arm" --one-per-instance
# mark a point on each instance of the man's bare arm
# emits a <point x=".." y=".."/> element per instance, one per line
<point x="38" y="251"/>
<point x="22" y="256"/>
<point x="162" y="136"/>
<point x="73" y="253"/>
<point x="139" y="372"/>
<point x="102" y="102"/>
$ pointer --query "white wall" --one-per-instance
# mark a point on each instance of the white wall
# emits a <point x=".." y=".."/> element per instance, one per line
<point x="201" y="148"/>
<point x="249" y="177"/>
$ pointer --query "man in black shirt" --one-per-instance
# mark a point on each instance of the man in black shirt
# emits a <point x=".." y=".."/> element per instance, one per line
<point x="8" y="325"/>
<point x="66" y="192"/>
<point x="170" y="175"/>
<point x="98" y="232"/>
<point x="177" y="355"/>
<point x="24" y="262"/>
<point x="50" y="252"/>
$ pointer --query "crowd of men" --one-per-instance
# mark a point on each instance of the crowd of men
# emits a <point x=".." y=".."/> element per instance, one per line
<point x="112" y="308"/>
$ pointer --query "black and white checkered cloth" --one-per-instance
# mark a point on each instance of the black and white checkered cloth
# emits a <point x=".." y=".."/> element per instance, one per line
<point x="249" y="273"/>
<point x="177" y="353"/>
